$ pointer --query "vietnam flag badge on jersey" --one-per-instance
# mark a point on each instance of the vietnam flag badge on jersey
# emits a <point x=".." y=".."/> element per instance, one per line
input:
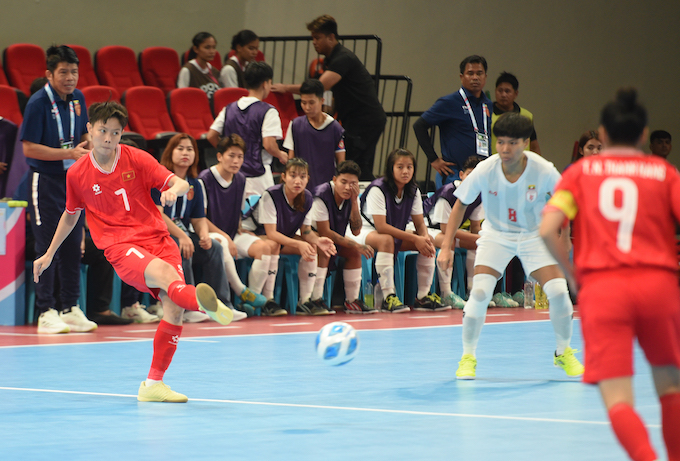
<point x="128" y="175"/>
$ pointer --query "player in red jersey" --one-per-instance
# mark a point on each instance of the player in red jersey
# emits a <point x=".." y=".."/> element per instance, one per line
<point x="624" y="206"/>
<point x="113" y="184"/>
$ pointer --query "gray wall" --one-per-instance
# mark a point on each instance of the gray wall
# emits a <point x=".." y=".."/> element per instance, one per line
<point x="569" y="56"/>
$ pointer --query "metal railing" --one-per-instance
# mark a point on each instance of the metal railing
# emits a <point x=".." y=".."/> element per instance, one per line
<point x="291" y="57"/>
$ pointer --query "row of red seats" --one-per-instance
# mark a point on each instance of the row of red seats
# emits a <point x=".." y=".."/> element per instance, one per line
<point x="114" y="66"/>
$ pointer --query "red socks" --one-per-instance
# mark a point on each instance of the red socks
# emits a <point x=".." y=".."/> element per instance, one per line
<point x="164" y="347"/>
<point x="183" y="295"/>
<point x="631" y="432"/>
<point x="670" y="421"/>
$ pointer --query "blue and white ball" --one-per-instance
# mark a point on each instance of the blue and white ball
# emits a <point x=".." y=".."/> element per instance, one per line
<point x="337" y="343"/>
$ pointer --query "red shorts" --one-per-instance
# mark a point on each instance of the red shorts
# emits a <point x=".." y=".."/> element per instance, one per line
<point x="130" y="260"/>
<point x="618" y="306"/>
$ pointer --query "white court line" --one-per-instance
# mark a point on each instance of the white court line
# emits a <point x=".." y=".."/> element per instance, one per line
<point x="125" y="338"/>
<point x="498" y="315"/>
<point x="43" y="335"/>
<point x="428" y="316"/>
<point x="290" y="324"/>
<point x="140" y="331"/>
<point x="330" y="407"/>
<point x="362" y="320"/>
<point x="223" y="327"/>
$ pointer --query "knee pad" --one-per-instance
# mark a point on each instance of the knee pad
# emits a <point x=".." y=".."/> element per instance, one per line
<point x="482" y="291"/>
<point x="557" y="292"/>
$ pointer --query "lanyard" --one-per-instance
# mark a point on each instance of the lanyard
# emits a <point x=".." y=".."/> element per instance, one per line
<point x="472" y="115"/>
<point x="173" y="210"/>
<point x="55" y="111"/>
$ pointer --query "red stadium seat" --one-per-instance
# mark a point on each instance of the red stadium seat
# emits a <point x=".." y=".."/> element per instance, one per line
<point x="225" y="96"/>
<point x="216" y="62"/>
<point x="3" y="77"/>
<point x="100" y="93"/>
<point x="259" y="57"/>
<point x="285" y="104"/>
<point x="148" y="113"/>
<point x="190" y="111"/>
<point x="86" y="74"/>
<point x="160" y="67"/>
<point x="23" y="64"/>
<point x="116" y="66"/>
<point x="9" y="105"/>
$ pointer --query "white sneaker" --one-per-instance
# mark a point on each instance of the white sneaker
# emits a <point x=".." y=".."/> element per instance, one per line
<point x="77" y="320"/>
<point x="137" y="313"/>
<point x="49" y="322"/>
<point x="239" y="315"/>
<point x="156" y="309"/>
<point x="194" y="317"/>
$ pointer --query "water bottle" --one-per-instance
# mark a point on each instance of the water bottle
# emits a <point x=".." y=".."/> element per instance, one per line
<point x="541" y="298"/>
<point x="368" y="294"/>
<point x="528" y="294"/>
<point x="378" y="295"/>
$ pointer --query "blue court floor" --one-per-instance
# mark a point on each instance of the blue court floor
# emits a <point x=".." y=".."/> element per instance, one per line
<point x="267" y="397"/>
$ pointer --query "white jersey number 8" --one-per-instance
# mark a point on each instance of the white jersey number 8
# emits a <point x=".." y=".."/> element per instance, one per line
<point x="625" y="214"/>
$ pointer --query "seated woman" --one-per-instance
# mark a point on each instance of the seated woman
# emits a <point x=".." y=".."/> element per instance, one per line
<point x="387" y="204"/>
<point x="187" y="224"/>
<point x="198" y="72"/>
<point x="245" y="45"/>
<point x="282" y="211"/>
<point x="224" y="187"/>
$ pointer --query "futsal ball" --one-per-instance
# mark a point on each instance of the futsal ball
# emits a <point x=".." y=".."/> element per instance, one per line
<point x="337" y="343"/>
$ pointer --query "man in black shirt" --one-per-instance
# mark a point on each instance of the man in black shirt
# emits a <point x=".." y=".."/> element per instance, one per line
<point x="354" y="91"/>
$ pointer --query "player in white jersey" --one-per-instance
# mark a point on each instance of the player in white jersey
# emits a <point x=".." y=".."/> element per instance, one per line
<point x="515" y="185"/>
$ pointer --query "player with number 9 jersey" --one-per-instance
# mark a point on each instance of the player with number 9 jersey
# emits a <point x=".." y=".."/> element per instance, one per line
<point x="114" y="200"/>
<point x="622" y="207"/>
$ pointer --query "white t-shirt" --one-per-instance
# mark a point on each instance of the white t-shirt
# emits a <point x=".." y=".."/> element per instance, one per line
<point x="376" y="205"/>
<point x="265" y="213"/>
<point x="511" y="207"/>
<point x="442" y="210"/>
<point x="228" y="76"/>
<point x="271" y="125"/>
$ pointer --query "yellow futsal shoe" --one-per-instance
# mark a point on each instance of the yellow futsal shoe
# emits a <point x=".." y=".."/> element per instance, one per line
<point x="208" y="303"/>
<point x="569" y="363"/>
<point x="467" y="367"/>
<point x="159" y="392"/>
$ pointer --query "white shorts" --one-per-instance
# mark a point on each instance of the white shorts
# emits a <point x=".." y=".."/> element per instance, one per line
<point x="496" y="249"/>
<point x="242" y="242"/>
<point x="257" y="185"/>
<point x="361" y="238"/>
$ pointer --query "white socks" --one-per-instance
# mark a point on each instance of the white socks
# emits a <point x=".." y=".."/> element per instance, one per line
<point x="384" y="266"/>
<point x="306" y="277"/>
<point x="474" y="312"/>
<point x="320" y="282"/>
<point x="352" y="278"/>
<point x="268" y="289"/>
<point x="444" y="274"/>
<point x="561" y="311"/>
<point x="425" y="272"/>
<point x="259" y="271"/>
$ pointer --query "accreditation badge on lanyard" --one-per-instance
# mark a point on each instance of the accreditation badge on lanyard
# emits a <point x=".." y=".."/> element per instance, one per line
<point x="481" y="139"/>
<point x="63" y="143"/>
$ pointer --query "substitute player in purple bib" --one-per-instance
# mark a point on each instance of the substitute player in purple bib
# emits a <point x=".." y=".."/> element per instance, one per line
<point x="113" y="185"/>
<point x="335" y="207"/>
<point x="515" y="186"/>
<point x="387" y="204"/>
<point x="284" y="210"/>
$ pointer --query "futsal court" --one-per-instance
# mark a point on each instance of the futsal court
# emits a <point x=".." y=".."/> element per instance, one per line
<point x="257" y="391"/>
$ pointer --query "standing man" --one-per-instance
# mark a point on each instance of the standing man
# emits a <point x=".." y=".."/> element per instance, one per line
<point x="464" y="121"/>
<point x="354" y="91"/>
<point x="54" y="135"/>
<point x="507" y="90"/>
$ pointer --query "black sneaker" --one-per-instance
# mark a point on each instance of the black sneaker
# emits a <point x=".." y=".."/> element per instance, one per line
<point x="310" y="308"/>
<point x="359" y="307"/>
<point x="271" y="309"/>
<point x="322" y="304"/>
<point x="431" y="303"/>
<point x="109" y="319"/>
<point x="394" y="305"/>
